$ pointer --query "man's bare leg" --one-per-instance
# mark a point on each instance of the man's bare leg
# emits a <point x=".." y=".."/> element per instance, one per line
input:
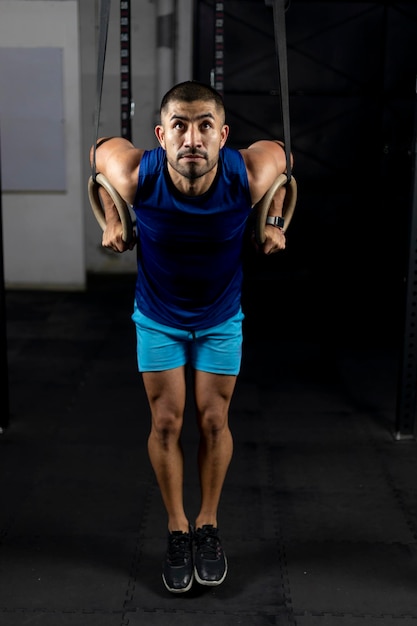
<point x="213" y="394"/>
<point x="166" y="395"/>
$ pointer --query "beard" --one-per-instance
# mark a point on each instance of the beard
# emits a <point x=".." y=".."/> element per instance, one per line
<point x="192" y="169"/>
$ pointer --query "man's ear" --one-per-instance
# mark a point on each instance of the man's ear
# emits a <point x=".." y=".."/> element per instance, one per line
<point x="159" y="132"/>
<point x="224" y="135"/>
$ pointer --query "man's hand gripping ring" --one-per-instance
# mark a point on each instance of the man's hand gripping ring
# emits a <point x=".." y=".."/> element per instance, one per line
<point x="121" y="206"/>
<point x="262" y="207"/>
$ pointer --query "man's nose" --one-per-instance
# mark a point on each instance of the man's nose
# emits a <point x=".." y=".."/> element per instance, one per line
<point x="193" y="136"/>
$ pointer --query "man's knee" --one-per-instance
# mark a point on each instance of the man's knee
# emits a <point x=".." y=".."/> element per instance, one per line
<point x="213" y="424"/>
<point x="166" y="427"/>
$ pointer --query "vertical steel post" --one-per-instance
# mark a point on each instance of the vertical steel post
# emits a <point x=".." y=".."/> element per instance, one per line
<point x="165" y="50"/>
<point x="5" y="409"/>
<point x="125" y="71"/>
<point x="218" y="82"/>
<point x="407" y="382"/>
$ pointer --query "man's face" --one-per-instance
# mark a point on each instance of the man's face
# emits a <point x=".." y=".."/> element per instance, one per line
<point x="192" y="134"/>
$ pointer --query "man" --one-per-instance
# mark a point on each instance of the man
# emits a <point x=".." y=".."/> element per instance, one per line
<point x="192" y="198"/>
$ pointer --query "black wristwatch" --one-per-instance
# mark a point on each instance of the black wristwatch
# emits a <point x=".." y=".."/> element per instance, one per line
<point x="276" y="221"/>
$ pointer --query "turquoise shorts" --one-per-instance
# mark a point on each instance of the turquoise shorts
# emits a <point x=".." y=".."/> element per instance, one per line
<point x="217" y="350"/>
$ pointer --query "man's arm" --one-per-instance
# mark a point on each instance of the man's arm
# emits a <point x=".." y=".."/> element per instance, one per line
<point x="265" y="161"/>
<point x="118" y="160"/>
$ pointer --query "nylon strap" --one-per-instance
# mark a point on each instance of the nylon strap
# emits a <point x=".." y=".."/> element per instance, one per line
<point x="104" y="27"/>
<point x="278" y="7"/>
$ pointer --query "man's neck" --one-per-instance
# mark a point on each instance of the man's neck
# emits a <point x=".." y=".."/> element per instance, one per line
<point x="192" y="186"/>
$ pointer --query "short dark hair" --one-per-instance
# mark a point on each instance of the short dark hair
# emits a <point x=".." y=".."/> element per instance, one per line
<point x="190" y="91"/>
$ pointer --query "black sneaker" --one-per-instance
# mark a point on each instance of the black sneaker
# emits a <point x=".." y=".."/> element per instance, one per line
<point x="210" y="564"/>
<point x="177" y="568"/>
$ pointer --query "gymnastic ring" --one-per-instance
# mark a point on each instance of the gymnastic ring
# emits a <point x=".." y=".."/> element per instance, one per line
<point x="120" y="204"/>
<point x="262" y="207"/>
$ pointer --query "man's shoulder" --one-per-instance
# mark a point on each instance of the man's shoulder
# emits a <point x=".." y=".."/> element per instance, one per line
<point x="152" y="161"/>
<point x="231" y="156"/>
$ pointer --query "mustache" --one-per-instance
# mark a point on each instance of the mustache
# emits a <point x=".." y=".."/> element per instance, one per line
<point x="193" y="152"/>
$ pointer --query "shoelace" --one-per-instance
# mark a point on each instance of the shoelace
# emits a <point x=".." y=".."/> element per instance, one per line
<point x="179" y="547"/>
<point x="208" y="544"/>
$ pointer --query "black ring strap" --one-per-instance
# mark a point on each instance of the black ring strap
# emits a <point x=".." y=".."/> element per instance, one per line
<point x="104" y="27"/>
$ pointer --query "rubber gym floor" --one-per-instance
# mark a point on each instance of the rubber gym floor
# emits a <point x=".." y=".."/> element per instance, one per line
<point x="318" y="513"/>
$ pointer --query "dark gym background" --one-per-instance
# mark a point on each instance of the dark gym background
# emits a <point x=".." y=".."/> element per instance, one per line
<point x="318" y="513"/>
<point x="352" y="75"/>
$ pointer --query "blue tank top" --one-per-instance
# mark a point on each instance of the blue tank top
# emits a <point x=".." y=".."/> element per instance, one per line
<point x="190" y="248"/>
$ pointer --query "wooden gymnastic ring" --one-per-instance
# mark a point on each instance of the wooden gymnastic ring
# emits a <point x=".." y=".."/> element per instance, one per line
<point x="262" y="207"/>
<point x="120" y="204"/>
